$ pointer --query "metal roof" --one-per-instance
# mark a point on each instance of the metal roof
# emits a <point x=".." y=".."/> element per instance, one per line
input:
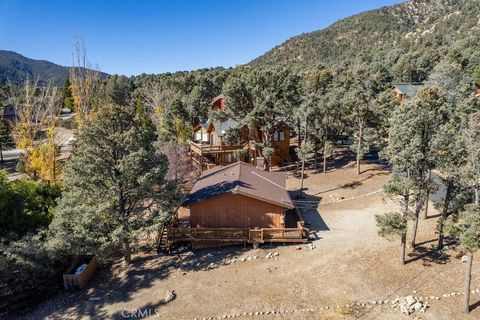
<point x="409" y="89"/>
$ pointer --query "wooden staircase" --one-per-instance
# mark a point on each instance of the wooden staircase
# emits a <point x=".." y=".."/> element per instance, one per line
<point x="164" y="244"/>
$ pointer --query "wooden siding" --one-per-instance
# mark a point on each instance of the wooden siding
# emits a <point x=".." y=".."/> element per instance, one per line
<point x="282" y="149"/>
<point x="235" y="211"/>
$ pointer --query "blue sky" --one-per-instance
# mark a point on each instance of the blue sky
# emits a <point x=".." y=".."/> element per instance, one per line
<point x="136" y="36"/>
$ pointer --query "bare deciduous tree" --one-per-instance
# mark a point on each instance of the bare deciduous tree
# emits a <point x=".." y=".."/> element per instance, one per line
<point x="85" y="82"/>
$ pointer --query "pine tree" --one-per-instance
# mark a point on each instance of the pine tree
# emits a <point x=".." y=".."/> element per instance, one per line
<point x="467" y="229"/>
<point x="114" y="186"/>
<point x="67" y="101"/>
<point x="413" y="128"/>
<point x="5" y="137"/>
<point x="395" y="224"/>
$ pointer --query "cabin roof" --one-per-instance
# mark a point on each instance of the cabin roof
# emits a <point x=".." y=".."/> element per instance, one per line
<point x="221" y="96"/>
<point x="7" y="111"/>
<point x="409" y="89"/>
<point x="241" y="178"/>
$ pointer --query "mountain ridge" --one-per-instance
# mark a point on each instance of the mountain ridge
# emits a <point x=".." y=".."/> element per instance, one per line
<point x="16" y="68"/>
<point x="383" y="34"/>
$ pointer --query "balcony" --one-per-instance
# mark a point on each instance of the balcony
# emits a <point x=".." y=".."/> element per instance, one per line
<point x="207" y="149"/>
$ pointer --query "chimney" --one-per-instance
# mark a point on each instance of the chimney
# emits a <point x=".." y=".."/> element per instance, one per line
<point x="260" y="163"/>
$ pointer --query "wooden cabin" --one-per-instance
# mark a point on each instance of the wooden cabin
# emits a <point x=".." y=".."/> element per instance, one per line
<point x="209" y="148"/>
<point x="404" y="91"/>
<point x="238" y="203"/>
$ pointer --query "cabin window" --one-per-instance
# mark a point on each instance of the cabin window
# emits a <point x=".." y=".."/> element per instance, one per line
<point x="198" y="136"/>
<point x="279" y="136"/>
<point x="228" y="157"/>
<point x="205" y="137"/>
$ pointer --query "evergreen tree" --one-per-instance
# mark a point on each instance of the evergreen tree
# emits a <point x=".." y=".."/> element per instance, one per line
<point x="67" y="101"/>
<point x="413" y="127"/>
<point x="117" y="90"/>
<point x="395" y="224"/>
<point x="114" y="186"/>
<point x="467" y="229"/>
<point x="6" y="139"/>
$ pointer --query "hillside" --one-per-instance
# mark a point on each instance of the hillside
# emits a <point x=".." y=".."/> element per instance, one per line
<point x="16" y="68"/>
<point x="417" y="32"/>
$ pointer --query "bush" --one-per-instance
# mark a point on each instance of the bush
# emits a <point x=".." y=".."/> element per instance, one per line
<point x="26" y="205"/>
<point x="29" y="272"/>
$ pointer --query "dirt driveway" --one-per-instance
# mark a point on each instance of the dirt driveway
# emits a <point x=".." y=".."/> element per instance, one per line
<point x="349" y="268"/>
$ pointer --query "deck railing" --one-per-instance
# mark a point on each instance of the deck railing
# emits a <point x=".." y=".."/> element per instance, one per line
<point x="202" y="149"/>
<point x="257" y="235"/>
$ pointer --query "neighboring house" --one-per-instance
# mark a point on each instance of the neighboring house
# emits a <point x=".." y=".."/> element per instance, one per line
<point x="239" y="203"/>
<point x="8" y="113"/>
<point x="404" y="91"/>
<point x="209" y="148"/>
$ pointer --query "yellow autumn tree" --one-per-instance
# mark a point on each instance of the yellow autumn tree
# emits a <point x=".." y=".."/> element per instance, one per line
<point x="85" y="84"/>
<point x="34" y="131"/>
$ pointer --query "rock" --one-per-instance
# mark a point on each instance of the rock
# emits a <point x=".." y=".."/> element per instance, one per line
<point x="417" y="306"/>
<point x="299" y="248"/>
<point x="243" y="259"/>
<point x="249" y="258"/>
<point x="405" y="310"/>
<point x="464" y="259"/>
<point x="276" y="254"/>
<point x="410" y="300"/>
<point x="170" y="296"/>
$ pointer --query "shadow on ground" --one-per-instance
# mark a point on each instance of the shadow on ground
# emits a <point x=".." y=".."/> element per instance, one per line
<point x="308" y="207"/>
<point x="428" y="253"/>
<point x="117" y="283"/>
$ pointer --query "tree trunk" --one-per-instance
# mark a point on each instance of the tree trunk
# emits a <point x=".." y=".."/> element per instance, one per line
<point x="425" y="213"/>
<point x="359" y="147"/>
<point x="403" y="245"/>
<point x="325" y="158"/>
<point x="303" y="172"/>
<point x="316" y="160"/>
<point x="299" y="128"/>
<point x="127" y="251"/>
<point x="477" y="196"/>
<point x="418" y="208"/>
<point x="468" y="280"/>
<point x="442" y="220"/>
<point x="1" y="152"/>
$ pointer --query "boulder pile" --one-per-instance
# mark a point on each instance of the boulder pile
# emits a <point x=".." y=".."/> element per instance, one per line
<point x="409" y="305"/>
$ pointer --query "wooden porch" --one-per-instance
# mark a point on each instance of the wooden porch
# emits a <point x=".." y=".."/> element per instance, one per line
<point x="223" y="236"/>
<point x="207" y="156"/>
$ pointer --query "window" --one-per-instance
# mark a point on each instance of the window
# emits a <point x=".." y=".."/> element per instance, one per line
<point x="198" y="136"/>
<point x="205" y="137"/>
<point x="228" y="157"/>
<point x="279" y="136"/>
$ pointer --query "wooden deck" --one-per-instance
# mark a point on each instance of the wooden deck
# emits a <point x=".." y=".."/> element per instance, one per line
<point x="207" y="149"/>
<point x="237" y="235"/>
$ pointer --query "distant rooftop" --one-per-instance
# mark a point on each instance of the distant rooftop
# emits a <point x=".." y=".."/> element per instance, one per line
<point x="409" y="89"/>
